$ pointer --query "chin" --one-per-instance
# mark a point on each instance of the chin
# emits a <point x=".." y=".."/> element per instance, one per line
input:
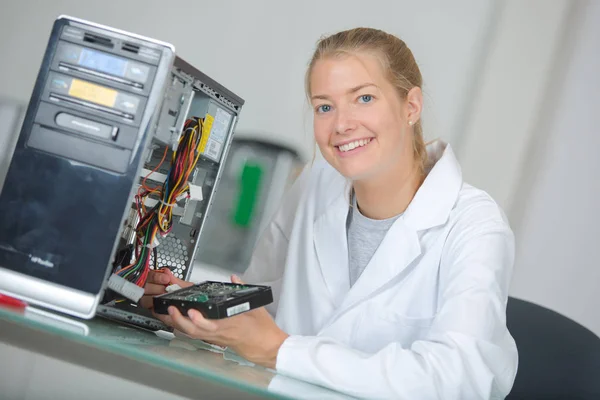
<point x="356" y="173"/>
<point x="356" y="169"/>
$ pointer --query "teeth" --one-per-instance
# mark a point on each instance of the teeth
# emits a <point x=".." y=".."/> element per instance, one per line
<point x="354" y="145"/>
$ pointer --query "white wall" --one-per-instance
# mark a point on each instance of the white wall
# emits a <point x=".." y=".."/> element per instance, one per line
<point x="557" y="204"/>
<point x="260" y="48"/>
<point x="488" y="66"/>
<point x="506" y="103"/>
<point x="529" y="140"/>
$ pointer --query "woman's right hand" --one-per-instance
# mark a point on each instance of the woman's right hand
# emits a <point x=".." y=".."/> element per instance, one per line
<point x="157" y="282"/>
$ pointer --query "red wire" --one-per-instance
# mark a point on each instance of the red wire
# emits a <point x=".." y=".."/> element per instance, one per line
<point x="181" y="166"/>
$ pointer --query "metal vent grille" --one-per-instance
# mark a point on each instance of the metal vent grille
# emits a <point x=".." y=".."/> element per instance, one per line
<point x="172" y="253"/>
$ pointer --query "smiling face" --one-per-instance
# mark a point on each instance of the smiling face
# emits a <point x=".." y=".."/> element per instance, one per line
<point x="361" y="124"/>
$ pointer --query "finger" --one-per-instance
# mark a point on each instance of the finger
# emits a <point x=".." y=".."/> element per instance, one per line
<point x="198" y="319"/>
<point x="159" y="277"/>
<point x="181" y="282"/>
<point x="152" y="289"/>
<point x="173" y="280"/>
<point x="184" y="324"/>
<point x="176" y="281"/>
<point x="236" y="279"/>
<point x="165" y="318"/>
<point x="147" y="302"/>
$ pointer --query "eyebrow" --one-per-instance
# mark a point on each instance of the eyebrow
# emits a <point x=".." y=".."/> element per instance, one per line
<point x="352" y="90"/>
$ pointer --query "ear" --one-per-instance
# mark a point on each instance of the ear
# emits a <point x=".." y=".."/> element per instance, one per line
<point x="414" y="104"/>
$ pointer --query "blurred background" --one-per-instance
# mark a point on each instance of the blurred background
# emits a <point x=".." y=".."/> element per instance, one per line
<point x="512" y="85"/>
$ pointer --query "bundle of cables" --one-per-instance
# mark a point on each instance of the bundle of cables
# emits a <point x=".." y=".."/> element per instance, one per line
<point x="158" y="220"/>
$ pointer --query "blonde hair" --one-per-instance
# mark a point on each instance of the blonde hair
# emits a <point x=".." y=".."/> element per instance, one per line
<point x="397" y="60"/>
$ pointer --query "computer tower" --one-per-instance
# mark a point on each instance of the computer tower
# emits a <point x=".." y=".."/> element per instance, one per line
<point x="117" y="127"/>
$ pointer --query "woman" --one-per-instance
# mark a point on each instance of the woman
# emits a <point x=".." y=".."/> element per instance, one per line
<point x="390" y="274"/>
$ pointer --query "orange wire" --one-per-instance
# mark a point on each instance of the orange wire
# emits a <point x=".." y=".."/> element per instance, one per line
<point x="187" y="172"/>
<point x="154" y="170"/>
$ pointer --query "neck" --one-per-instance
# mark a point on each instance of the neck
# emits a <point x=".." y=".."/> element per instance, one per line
<point x="389" y="194"/>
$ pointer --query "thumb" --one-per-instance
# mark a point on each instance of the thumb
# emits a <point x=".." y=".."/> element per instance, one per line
<point x="173" y="280"/>
<point x="236" y="279"/>
<point x="180" y="282"/>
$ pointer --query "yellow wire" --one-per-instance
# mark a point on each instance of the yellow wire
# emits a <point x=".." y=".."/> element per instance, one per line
<point x="161" y="212"/>
<point x="175" y="193"/>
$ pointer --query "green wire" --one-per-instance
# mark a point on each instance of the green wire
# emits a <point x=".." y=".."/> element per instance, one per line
<point x="143" y="255"/>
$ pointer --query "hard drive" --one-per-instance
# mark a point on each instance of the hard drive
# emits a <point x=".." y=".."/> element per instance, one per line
<point x="215" y="300"/>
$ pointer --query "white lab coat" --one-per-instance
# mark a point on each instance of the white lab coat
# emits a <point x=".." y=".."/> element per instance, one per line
<point x="425" y="320"/>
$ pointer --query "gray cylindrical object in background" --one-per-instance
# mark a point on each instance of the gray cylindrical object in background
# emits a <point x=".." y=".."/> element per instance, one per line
<point x="256" y="175"/>
<point x="11" y="114"/>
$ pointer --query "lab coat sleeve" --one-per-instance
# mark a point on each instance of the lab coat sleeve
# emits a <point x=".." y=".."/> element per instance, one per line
<point x="468" y="352"/>
<point x="269" y="256"/>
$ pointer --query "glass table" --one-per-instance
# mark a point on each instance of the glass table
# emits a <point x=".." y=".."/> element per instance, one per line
<point x="169" y="363"/>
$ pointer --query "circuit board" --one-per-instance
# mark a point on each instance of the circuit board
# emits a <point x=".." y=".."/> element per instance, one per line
<point x="215" y="300"/>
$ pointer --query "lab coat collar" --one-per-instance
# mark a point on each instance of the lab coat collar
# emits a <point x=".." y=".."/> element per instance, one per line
<point x="436" y="197"/>
<point x="431" y="204"/>
<point x="430" y="207"/>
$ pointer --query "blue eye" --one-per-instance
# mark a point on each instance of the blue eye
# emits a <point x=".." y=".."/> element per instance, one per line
<point x="324" y="108"/>
<point x="366" y="98"/>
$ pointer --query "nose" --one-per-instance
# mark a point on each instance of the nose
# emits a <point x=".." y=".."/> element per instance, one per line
<point x="345" y="121"/>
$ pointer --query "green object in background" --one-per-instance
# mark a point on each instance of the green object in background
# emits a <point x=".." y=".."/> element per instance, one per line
<point x="250" y="179"/>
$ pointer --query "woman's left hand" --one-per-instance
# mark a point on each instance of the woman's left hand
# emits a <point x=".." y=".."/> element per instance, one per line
<point x="253" y="334"/>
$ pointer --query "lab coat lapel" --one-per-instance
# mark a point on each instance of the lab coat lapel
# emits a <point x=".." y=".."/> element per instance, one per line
<point x="331" y="242"/>
<point x="398" y="249"/>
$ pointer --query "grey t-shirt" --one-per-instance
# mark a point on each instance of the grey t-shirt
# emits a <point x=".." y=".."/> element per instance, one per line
<point x="364" y="237"/>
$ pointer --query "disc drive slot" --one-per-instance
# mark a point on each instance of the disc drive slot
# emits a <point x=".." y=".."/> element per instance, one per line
<point x="87" y="125"/>
<point x="71" y="68"/>
<point x="122" y="72"/>
<point x="93" y="97"/>
<point x="58" y="97"/>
